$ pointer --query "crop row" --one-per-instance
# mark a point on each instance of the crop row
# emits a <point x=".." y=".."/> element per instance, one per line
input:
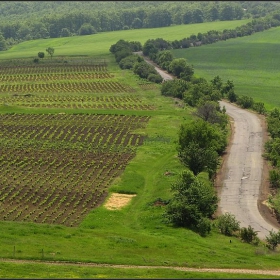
<point x="54" y="76"/>
<point x="71" y="98"/>
<point x="76" y="87"/>
<point x="86" y="120"/>
<point x="46" y="178"/>
<point x="45" y="186"/>
<point x="77" y="102"/>
<point x="52" y="69"/>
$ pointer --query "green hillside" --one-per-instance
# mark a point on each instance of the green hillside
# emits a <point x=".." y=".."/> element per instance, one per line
<point x="99" y="44"/>
<point x="251" y="62"/>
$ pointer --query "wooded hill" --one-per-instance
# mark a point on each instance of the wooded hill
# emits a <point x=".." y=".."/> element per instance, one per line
<point x="27" y="20"/>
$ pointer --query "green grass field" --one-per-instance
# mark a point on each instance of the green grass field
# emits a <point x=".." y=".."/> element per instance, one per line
<point x="98" y="45"/>
<point x="251" y="62"/>
<point x="136" y="234"/>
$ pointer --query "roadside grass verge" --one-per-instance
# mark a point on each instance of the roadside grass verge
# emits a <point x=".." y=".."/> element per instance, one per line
<point x="251" y="62"/>
<point x="62" y="271"/>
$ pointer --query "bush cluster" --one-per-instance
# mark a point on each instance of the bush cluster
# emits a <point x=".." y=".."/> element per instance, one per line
<point x="125" y="57"/>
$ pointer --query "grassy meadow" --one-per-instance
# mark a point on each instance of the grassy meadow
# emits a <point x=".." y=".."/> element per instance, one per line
<point x="136" y="234"/>
<point x="251" y="62"/>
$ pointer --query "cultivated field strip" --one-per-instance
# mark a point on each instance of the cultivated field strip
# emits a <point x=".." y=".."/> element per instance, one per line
<point x="59" y="79"/>
<point x="54" y="76"/>
<point x="24" y="70"/>
<point x="57" y="168"/>
<point x="77" y="102"/>
<point x="77" y="87"/>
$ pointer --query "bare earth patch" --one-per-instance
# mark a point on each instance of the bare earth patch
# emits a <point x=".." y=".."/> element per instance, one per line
<point x="118" y="200"/>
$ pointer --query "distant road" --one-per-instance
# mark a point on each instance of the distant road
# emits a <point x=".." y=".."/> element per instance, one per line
<point x="241" y="186"/>
<point x="166" y="76"/>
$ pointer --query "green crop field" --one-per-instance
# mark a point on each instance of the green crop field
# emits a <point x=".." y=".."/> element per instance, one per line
<point x="75" y="129"/>
<point x="251" y="62"/>
<point x="99" y="44"/>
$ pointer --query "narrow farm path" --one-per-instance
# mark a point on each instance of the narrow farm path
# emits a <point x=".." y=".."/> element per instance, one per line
<point x="191" y="269"/>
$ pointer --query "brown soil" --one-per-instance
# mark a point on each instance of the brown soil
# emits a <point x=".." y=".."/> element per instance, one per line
<point x="117" y="200"/>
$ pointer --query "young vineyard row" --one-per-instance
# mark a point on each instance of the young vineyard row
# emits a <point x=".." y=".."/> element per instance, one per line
<point x="77" y="87"/>
<point x="57" y="168"/>
<point x="54" y="77"/>
<point x="77" y="102"/>
<point x="12" y="70"/>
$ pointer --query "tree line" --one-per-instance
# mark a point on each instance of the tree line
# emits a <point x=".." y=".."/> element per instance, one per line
<point x="23" y="21"/>
<point x="200" y="142"/>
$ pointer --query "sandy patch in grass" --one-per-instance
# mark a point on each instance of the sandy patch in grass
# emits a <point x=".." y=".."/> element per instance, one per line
<point x="118" y="200"/>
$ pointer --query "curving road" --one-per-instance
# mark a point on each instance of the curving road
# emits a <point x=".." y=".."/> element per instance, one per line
<point x="242" y="183"/>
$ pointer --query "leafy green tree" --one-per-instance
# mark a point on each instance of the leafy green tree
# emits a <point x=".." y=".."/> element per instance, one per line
<point x="228" y="224"/>
<point x="174" y="88"/>
<point x="87" y="29"/>
<point x="245" y="101"/>
<point x="137" y="23"/>
<point x="155" y="78"/>
<point x="232" y="96"/>
<point x="119" y="55"/>
<point x="204" y="134"/>
<point x="204" y="226"/>
<point x="227" y="12"/>
<point x="143" y="69"/>
<point x="210" y="111"/>
<point x="164" y="58"/>
<point x="192" y="201"/>
<point x="41" y="54"/>
<point x="3" y="45"/>
<point x="120" y="45"/>
<point x="273" y="239"/>
<point x="274" y="178"/>
<point x="65" y="32"/>
<point x="259" y="107"/>
<point x="50" y="51"/>
<point x="217" y="82"/>
<point x="149" y="49"/>
<point x="213" y="13"/>
<point x="272" y="152"/>
<point x="178" y="66"/>
<point x="129" y="61"/>
<point x="197" y="16"/>
<point x="249" y="235"/>
<point x="187" y="17"/>
<point x="227" y="87"/>
<point x="199" y="159"/>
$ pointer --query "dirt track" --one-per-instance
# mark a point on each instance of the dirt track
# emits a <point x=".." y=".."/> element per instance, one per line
<point x="191" y="269"/>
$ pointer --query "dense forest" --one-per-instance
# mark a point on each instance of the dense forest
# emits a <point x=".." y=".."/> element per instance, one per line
<point x="28" y="20"/>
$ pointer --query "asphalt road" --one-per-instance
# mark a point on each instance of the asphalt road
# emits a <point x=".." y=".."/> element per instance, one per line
<point x="242" y="183"/>
<point x="241" y="186"/>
